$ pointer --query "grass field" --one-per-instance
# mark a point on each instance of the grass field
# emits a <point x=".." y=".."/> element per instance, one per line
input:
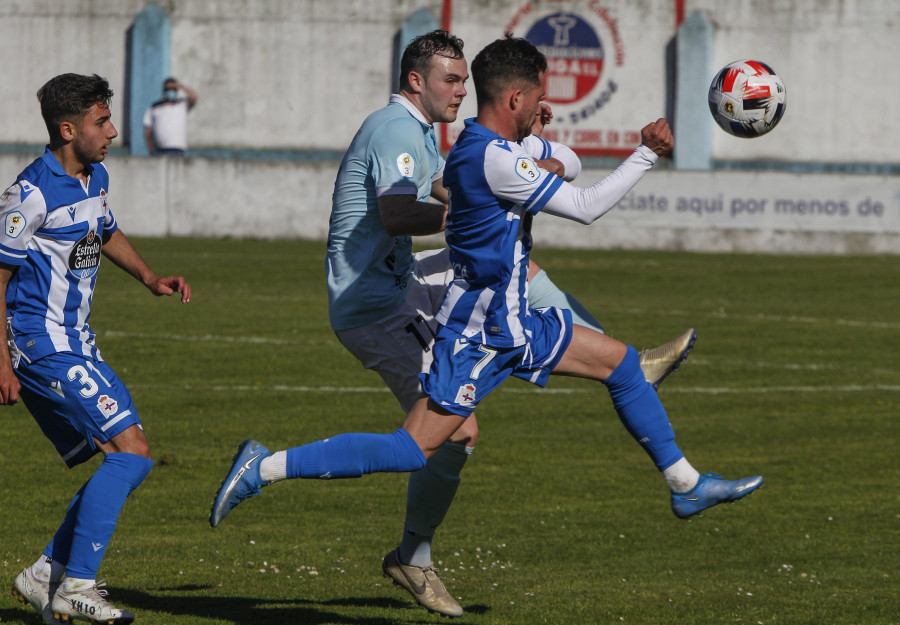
<point x="561" y="518"/>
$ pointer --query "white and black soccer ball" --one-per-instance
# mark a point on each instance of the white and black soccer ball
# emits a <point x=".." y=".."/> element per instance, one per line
<point x="747" y="98"/>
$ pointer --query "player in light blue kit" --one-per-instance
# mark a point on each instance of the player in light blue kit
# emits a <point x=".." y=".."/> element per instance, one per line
<point x="56" y="225"/>
<point x="382" y="297"/>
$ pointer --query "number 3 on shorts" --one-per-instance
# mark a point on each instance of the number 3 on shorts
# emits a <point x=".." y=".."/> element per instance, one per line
<point x="81" y="375"/>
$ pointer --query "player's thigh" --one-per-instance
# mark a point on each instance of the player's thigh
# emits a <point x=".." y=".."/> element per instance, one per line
<point x="77" y="402"/>
<point x="398" y="348"/>
<point x="590" y="355"/>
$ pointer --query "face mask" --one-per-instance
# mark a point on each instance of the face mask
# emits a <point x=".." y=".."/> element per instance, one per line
<point x="170" y="94"/>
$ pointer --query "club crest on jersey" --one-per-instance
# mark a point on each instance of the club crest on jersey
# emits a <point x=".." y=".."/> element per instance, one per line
<point x="107" y="405"/>
<point x="84" y="259"/>
<point x="103" y="201"/>
<point x="465" y="396"/>
<point x="526" y="169"/>
<point x="15" y="224"/>
<point x="406" y="164"/>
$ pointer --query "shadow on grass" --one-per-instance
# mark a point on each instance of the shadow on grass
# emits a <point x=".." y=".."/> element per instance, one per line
<point x="250" y="610"/>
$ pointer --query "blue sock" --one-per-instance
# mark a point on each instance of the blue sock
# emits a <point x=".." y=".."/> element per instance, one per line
<point x="61" y="544"/>
<point x="543" y="292"/>
<point x="640" y="410"/>
<point x="355" y="455"/>
<point x="95" y="513"/>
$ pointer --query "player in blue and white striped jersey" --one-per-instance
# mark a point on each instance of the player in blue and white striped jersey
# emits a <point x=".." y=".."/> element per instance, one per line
<point x="57" y="225"/>
<point x="382" y="298"/>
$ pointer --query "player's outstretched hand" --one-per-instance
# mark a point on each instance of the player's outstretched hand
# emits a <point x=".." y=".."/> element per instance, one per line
<point x="167" y="285"/>
<point x="658" y="137"/>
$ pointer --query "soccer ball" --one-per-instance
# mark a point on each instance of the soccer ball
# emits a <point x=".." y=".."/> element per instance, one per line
<point x="747" y="98"/>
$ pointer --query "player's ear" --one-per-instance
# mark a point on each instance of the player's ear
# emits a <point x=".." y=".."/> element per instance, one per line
<point x="416" y="82"/>
<point x="67" y="130"/>
<point x="515" y="99"/>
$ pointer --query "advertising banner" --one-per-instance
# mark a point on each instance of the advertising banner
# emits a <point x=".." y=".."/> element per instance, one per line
<point x="606" y="75"/>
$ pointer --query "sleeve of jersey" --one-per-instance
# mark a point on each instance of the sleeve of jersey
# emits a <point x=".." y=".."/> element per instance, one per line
<point x="512" y="175"/>
<point x="588" y="205"/>
<point x="396" y="158"/>
<point x="539" y="148"/>
<point x="438" y="170"/>
<point x="22" y="211"/>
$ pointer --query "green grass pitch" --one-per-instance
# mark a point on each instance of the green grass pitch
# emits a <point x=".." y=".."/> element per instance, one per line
<point x="560" y="518"/>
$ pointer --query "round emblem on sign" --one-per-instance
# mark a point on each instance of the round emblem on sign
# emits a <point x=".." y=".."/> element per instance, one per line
<point x="574" y="55"/>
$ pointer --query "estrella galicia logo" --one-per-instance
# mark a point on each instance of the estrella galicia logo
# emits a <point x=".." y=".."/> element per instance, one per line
<point x="574" y="54"/>
<point x="84" y="260"/>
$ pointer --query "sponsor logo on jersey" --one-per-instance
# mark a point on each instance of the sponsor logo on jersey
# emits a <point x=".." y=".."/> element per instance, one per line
<point x="465" y="396"/>
<point x="15" y="224"/>
<point x="406" y="164"/>
<point x="84" y="260"/>
<point x="107" y="405"/>
<point x="527" y="169"/>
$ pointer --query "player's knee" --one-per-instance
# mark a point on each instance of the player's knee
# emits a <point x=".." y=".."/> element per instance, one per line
<point x="131" y="468"/>
<point x="467" y="434"/>
<point x="409" y="456"/>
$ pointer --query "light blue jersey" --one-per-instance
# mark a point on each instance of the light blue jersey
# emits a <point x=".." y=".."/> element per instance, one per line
<point x="394" y="152"/>
<point x="53" y="229"/>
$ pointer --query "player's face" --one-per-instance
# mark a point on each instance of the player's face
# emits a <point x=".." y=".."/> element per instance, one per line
<point x="531" y="99"/>
<point x="94" y="135"/>
<point x="445" y="88"/>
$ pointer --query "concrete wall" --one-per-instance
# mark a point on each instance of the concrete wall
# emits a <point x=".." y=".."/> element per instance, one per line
<point x="302" y="74"/>
<point x="698" y="211"/>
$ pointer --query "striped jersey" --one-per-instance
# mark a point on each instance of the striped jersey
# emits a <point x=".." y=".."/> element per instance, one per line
<point x="53" y="230"/>
<point x="495" y="190"/>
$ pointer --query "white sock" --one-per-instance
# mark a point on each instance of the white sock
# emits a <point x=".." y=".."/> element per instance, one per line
<point x="274" y="467"/>
<point x="681" y="476"/>
<point x="41" y="569"/>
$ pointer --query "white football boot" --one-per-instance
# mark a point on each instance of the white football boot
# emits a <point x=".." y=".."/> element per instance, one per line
<point x="87" y="603"/>
<point x="29" y="589"/>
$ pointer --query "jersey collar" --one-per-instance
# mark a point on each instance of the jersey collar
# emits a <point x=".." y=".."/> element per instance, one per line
<point x="56" y="167"/>
<point x="396" y="98"/>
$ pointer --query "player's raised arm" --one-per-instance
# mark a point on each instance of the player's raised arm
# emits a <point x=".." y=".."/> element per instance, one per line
<point x="587" y="205"/>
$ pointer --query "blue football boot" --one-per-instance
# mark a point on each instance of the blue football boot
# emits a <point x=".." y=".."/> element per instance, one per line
<point x="242" y="482"/>
<point x="710" y="491"/>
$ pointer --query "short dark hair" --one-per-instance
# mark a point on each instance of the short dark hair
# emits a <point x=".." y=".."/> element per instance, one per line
<point x="69" y="97"/>
<point x="504" y="63"/>
<point x="417" y="55"/>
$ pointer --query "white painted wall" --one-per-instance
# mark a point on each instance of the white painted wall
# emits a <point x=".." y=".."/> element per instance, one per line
<point x="698" y="211"/>
<point x="302" y="74"/>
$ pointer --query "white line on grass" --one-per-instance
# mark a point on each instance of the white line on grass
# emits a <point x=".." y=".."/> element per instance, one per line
<point x="211" y="338"/>
<point x="700" y="390"/>
<point x="721" y="314"/>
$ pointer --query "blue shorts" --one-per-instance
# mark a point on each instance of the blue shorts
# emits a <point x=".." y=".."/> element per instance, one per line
<point x="76" y="400"/>
<point x="464" y="371"/>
